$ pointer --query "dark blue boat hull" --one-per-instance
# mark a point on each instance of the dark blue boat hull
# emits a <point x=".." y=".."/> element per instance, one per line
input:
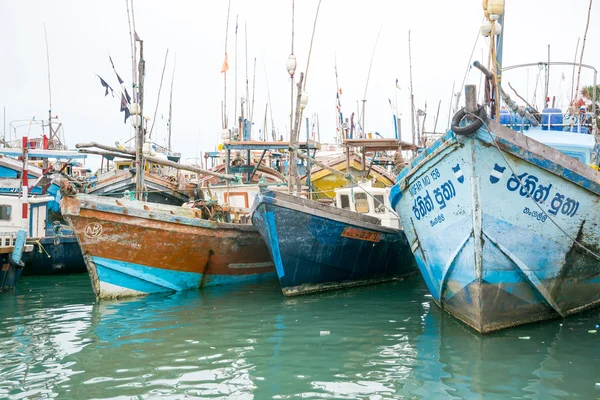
<point x="312" y="253"/>
<point x="62" y="258"/>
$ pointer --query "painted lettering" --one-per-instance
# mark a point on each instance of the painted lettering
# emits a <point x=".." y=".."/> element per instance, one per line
<point x="540" y="216"/>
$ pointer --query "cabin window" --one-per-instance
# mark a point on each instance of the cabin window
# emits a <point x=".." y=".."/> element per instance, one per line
<point x="361" y="203"/>
<point x="5" y="211"/>
<point x="237" y="199"/>
<point x="345" y="201"/>
<point x="379" y="204"/>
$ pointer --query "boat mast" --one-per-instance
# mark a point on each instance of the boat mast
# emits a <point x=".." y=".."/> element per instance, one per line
<point x="236" y="77"/>
<point x="291" y="67"/>
<point x="139" y="142"/>
<point x="45" y="142"/>
<point x="364" y="101"/>
<point x="170" y="104"/>
<point x="412" y="97"/>
<point x="224" y="71"/>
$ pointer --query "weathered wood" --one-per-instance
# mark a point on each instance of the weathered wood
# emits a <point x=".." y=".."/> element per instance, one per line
<point x="105" y="147"/>
<point x="107" y="154"/>
<point x="184" y="167"/>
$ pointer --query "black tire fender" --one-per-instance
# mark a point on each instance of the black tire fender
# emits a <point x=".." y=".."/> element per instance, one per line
<point x="473" y="126"/>
<point x="17" y="265"/>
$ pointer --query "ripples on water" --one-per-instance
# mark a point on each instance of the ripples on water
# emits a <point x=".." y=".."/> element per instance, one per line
<point x="380" y="342"/>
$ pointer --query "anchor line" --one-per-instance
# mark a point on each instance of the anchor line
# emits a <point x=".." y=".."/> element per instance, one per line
<point x="529" y="194"/>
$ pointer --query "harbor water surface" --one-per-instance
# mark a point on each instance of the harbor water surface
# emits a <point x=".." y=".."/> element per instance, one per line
<point x="387" y="341"/>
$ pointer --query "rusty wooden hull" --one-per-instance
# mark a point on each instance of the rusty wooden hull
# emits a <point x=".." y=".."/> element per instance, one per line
<point x="133" y="248"/>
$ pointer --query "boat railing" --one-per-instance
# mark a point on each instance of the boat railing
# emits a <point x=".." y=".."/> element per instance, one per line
<point x="7" y="239"/>
<point x="551" y="121"/>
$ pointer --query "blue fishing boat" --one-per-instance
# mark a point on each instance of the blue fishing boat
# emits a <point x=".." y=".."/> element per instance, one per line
<point x="57" y="250"/>
<point x="317" y="247"/>
<point x="501" y="214"/>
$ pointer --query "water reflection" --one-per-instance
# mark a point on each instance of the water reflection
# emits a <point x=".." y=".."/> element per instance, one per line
<point x="379" y="342"/>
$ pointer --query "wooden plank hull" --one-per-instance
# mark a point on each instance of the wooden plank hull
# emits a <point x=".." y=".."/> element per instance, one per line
<point x="133" y="248"/>
<point x="504" y="229"/>
<point x="318" y="248"/>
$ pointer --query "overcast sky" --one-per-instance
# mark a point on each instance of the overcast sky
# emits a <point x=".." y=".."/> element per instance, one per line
<point x="81" y="35"/>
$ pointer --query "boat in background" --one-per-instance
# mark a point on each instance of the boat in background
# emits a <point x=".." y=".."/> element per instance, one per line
<point x="135" y="248"/>
<point x="57" y="250"/>
<point x="164" y="185"/>
<point x="503" y="220"/>
<point x="318" y="247"/>
<point x="368" y="200"/>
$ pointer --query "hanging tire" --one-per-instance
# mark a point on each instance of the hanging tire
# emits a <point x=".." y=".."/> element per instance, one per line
<point x="473" y="126"/>
<point x="17" y="265"/>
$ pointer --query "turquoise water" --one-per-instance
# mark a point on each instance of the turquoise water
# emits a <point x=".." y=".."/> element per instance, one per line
<point x="380" y="342"/>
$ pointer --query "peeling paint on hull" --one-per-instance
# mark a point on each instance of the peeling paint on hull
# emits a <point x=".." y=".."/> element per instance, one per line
<point x="133" y="248"/>
<point x="487" y="243"/>
<point x="313" y="252"/>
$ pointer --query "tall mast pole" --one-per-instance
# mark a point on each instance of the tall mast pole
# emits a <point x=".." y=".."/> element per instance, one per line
<point x="139" y="142"/>
<point x="50" y="133"/>
<point x="292" y="80"/>
<point x="224" y="70"/>
<point x="291" y="67"/>
<point x="170" y="104"/>
<point x="364" y="101"/>
<point x="236" y="76"/>
<point x="247" y="84"/>
<point x="412" y="97"/>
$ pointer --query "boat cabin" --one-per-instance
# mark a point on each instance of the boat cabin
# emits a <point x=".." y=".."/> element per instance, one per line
<point x="11" y="218"/>
<point x="370" y="200"/>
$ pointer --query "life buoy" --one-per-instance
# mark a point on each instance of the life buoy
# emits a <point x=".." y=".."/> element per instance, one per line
<point x="473" y="126"/>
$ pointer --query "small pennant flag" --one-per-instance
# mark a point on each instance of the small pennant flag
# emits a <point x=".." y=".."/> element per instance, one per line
<point x="496" y="173"/>
<point x="124" y="108"/>
<point x="397" y="84"/>
<point x="458" y="173"/>
<point x="113" y="66"/>
<point x="225" y="66"/>
<point x="136" y="37"/>
<point x="105" y="85"/>
<point x="127" y="96"/>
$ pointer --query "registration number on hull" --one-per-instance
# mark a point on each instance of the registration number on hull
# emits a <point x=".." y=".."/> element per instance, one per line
<point x="355" y="233"/>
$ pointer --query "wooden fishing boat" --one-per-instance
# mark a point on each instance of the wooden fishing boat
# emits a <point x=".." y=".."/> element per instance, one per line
<point x="134" y="248"/>
<point x="503" y="222"/>
<point x="161" y="187"/>
<point x="317" y="247"/>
